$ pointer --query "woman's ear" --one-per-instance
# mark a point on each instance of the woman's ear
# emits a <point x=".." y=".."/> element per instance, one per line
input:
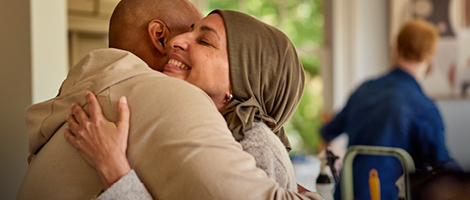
<point x="158" y="33"/>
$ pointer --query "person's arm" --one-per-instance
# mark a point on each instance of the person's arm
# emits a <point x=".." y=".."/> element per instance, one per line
<point x="127" y="187"/>
<point x="430" y="140"/>
<point x="334" y="128"/>
<point x="199" y="156"/>
<point x="270" y="155"/>
<point x="101" y="143"/>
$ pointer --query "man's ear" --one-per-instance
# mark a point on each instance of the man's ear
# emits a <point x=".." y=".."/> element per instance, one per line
<point x="158" y="33"/>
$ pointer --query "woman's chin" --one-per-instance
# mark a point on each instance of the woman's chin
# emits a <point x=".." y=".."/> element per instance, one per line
<point x="177" y="75"/>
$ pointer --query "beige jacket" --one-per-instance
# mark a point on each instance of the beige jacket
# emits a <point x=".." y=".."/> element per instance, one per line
<point x="179" y="144"/>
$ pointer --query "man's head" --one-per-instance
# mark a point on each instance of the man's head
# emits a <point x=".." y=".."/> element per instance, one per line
<point x="145" y="27"/>
<point x="417" y="41"/>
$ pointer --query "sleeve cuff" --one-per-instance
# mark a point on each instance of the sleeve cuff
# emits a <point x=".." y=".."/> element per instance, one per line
<point x="128" y="187"/>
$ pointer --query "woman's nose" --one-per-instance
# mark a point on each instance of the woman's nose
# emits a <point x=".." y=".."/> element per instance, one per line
<point x="179" y="42"/>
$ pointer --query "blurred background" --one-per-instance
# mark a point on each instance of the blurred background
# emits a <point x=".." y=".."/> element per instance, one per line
<point x="341" y="43"/>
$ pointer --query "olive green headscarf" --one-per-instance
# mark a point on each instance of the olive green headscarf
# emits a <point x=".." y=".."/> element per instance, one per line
<point x="266" y="75"/>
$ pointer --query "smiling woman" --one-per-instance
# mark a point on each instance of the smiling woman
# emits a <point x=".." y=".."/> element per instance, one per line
<point x="200" y="57"/>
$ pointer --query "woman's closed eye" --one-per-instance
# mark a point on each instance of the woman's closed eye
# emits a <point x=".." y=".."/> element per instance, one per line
<point x="205" y="42"/>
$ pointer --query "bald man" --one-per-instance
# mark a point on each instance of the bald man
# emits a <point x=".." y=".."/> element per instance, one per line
<point x="179" y="144"/>
<point x="145" y="27"/>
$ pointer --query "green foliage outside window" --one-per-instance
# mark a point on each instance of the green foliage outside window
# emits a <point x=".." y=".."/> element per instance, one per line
<point x="302" y="22"/>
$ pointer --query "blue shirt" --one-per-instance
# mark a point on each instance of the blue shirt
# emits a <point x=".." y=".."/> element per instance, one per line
<point x="390" y="111"/>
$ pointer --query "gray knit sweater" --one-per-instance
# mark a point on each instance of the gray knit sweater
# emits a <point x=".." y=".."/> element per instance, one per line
<point x="268" y="150"/>
<point x="270" y="155"/>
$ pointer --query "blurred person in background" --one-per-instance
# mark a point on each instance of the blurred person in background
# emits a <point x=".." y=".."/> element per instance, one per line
<point x="393" y="111"/>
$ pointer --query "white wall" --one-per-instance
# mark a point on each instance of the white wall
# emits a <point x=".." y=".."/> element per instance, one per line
<point x="371" y="39"/>
<point x="456" y="115"/>
<point x="49" y="47"/>
<point x="27" y="52"/>
<point x="360" y="45"/>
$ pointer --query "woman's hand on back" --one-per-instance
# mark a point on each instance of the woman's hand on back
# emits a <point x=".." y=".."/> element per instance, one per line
<point x="102" y="143"/>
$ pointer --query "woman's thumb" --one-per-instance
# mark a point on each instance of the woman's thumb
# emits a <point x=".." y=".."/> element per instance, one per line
<point x="123" y="114"/>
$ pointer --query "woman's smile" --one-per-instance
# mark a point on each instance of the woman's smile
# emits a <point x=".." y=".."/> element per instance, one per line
<point x="177" y="63"/>
<point x="200" y="57"/>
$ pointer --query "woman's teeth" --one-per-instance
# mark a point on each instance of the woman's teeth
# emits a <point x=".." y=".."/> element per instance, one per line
<point x="179" y="64"/>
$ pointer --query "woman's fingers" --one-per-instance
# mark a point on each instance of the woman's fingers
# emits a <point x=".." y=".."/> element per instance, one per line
<point x="71" y="138"/>
<point x="79" y="114"/>
<point x="102" y="143"/>
<point x="94" y="106"/>
<point x="73" y="124"/>
<point x="123" y="114"/>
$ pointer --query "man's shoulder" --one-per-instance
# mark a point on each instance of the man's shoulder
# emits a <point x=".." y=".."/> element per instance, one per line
<point x="155" y="96"/>
<point x="102" y="68"/>
<point x="158" y="84"/>
<point x="376" y="91"/>
<point x="125" y="72"/>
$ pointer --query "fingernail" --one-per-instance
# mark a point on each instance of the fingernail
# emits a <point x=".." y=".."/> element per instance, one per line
<point x="123" y="100"/>
<point x="88" y="93"/>
<point x="67" y="117"/>
<point x="73" y="104"/>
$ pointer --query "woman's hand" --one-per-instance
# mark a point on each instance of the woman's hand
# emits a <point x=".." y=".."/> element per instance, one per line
<point x="102" y="143"/>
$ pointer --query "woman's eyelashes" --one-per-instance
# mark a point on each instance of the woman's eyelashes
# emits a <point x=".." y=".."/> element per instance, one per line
<point x="204" y="42"/>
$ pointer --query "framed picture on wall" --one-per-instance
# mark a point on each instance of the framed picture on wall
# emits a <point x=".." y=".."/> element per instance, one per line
<point x="449" y="77"/>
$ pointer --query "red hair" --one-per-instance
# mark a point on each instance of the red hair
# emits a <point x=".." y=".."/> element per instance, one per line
<point x="417" y="40"/>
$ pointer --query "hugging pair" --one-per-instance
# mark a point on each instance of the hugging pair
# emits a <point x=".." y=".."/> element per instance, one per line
<point x="171" y="140"/>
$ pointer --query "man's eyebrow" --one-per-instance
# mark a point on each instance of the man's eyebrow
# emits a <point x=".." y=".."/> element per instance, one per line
<point x="206" y="28"/>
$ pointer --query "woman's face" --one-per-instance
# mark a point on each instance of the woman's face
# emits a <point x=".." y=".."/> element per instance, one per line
<point x="200" y="57"/>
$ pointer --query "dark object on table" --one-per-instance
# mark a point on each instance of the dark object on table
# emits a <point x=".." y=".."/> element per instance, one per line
<point x="331" y="158"/>
<point x="440" y="186"/>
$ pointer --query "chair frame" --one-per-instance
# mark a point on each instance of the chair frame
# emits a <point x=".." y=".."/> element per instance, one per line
<point x="347" y="187"/>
